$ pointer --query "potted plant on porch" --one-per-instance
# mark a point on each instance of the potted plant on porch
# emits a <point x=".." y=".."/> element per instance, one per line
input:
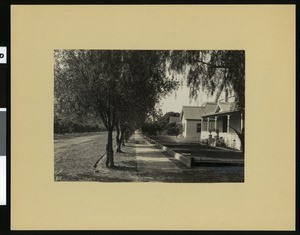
<point x="210" y="139"/>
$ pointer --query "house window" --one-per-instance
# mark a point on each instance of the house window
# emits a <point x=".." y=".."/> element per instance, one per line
<point x="204" y="125"/>
<point x="198" y="127"/>
<point x="211" y="125"/>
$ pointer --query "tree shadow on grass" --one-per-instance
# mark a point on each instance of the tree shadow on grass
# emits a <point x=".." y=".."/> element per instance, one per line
<point x="125" y="168"/>
<point x="125" y="153"/>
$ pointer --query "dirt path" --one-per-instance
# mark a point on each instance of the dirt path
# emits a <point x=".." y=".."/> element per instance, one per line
<point x="74" y="157"/>
<point x="62" y="145"/>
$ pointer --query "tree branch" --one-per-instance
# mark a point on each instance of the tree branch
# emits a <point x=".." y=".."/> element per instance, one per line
<point x="216" y="66"/>
<point x="104" y="119"/>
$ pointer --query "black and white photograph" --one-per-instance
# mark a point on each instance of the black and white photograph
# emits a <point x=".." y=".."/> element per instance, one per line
<point x="150" y="117"/>
<point x="174" y="116"/>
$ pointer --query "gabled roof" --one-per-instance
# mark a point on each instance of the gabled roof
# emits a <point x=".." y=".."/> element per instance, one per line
<point x="220" y="113"/>
<point x="209" y="106"/>
<point x="196" y="112"/>
<point x="174" y="119"/>
<point x="224" y="107"/>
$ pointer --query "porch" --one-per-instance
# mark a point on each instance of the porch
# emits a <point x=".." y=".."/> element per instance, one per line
<point x="218" y="129"/>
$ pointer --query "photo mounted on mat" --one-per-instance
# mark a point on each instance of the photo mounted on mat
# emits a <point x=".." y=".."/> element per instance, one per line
<point x="132" y="117"/>
<point x="149" y="115"/>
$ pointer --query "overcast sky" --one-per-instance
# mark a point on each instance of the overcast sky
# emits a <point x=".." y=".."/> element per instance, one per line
<point x="175" y="102"/>
<point x="177" y="99"/>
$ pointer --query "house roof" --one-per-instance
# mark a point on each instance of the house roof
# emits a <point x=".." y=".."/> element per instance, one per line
<point x="220" y="113"/>
<point x="196" y="112"/>
<point x="209" y="106"/>
<point x="224" y="107"/>
<point x="174" y="119"/>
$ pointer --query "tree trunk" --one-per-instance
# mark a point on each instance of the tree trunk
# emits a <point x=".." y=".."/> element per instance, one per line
<point x="109" y="150"/>
<point x="241" y="136"/>
<point x="122" y="139"/>
<point x="219" y="91"/>
<point x="119" y="150"/>
<point x="126" y="136"/>
<point x="118" y="139"/>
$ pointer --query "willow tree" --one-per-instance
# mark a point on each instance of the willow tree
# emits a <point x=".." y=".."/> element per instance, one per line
<point x="213" y="71"/>
<point x="114" y="86"/>
<point x="142" y="84"/>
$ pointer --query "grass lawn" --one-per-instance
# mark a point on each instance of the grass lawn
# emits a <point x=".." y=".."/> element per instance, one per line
<point x="195" y="149"/>
<point x="125" y="169"/>
<point x="75" y="156"/>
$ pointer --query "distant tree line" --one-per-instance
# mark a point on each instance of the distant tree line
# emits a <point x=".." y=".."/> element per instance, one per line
<point x="68" y="126"/>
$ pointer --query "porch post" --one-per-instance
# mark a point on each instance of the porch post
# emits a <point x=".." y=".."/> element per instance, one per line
<point x="201" y="128"/>
<point x="201" y="124"/>
<point x="242" y="121"/>
<point x="207" y="124"/>
<point x="228" y="122"/>
<point x="216" y="119"/>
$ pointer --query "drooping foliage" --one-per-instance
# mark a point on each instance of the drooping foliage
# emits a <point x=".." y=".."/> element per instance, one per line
<point x="118" y="87"/>
<point x="212" y="71"/>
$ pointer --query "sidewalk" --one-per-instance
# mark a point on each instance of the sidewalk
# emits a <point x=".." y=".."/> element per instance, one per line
<point x="150" y="159"/>
<point x="142" y="161"/>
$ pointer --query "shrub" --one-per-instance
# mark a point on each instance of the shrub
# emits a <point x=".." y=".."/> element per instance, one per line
<point x="66" y="126"/>
<point x="173" y="129"/>
<point x="151" y="128"/>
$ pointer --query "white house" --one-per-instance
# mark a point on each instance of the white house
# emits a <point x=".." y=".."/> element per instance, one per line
<point x="191" y="119"/>
<point x="224" y="119"/>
